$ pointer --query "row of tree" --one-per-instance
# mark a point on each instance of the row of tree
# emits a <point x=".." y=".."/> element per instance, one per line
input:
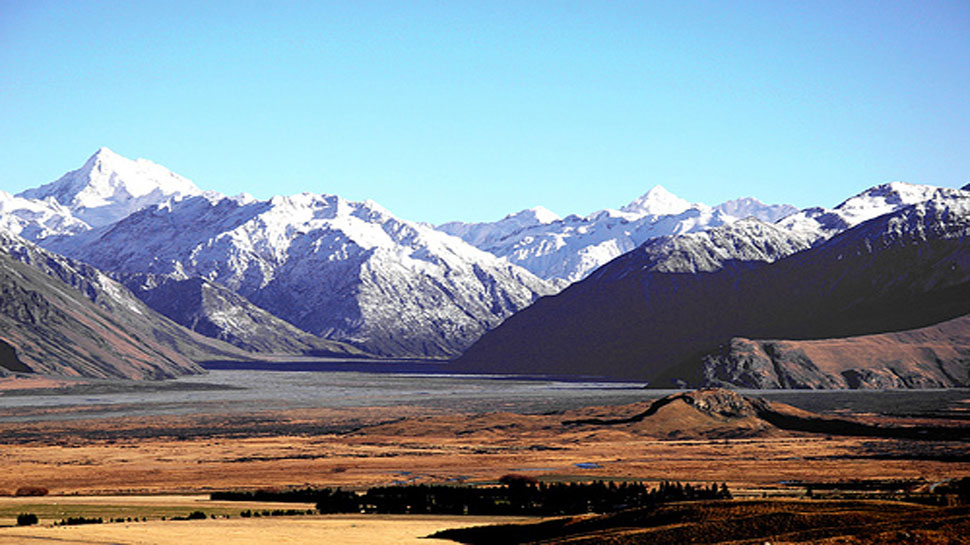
<point x="515" y="496"/>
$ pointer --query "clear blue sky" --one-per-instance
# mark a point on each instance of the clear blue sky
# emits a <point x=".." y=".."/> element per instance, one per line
<point x="471" y="110"/>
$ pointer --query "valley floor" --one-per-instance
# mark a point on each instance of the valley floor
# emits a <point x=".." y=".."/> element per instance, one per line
<point x="359" y="447"/>
<point x="356" y="448"/>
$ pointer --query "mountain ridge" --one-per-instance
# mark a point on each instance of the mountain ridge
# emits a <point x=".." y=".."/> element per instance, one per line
<point x="348" y="271"/>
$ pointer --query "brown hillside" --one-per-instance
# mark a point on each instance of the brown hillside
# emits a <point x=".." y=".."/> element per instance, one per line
<point x="933" y="356"/>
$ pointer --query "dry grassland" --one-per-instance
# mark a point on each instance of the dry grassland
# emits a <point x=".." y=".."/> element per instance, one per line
<point x="342" y="529"/>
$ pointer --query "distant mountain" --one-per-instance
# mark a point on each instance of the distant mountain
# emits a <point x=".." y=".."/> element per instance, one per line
<point x="347" y="271"/>
<point x="642" y="317"/>
<point x="109" y="187"/>
<point x="566" y="250"/>
<point x="486" y="234"/>
<point x="218" y="312"/>
<point x="62" y="317"/>
<point x="748" y="207"/>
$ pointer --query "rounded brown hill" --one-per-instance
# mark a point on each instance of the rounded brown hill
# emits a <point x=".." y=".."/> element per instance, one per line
<point x="701" y="414"/>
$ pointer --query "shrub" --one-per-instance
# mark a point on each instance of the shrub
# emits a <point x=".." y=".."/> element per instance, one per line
<point x="73" y="521"/>
<point x="26" y="519"/>
<point x="194" y="515"/>
<point x="31" y="491"/>
<point x="514" y="479"/>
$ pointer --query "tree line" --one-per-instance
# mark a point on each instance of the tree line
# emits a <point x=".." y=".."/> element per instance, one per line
<point x="514" y="496"/>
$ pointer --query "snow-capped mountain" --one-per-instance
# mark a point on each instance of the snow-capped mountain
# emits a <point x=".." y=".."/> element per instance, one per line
<point x="482" y="235"/>
<point x="109" y="187"/>
<point x="343" y="270"/>
<point x="657" y="202"/>
<point x="351" y="271"/>
<point x="745" y="241"/>
<point x="749" y="207"/>
<point x="566" y="250"/>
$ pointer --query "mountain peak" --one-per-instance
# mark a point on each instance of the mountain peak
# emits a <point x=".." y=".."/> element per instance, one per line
<point x="104" y="154"/>
<point x="109" y="187"/>
<point x="657" y="202"/>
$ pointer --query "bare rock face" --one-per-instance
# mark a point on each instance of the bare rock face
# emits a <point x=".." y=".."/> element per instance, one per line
<point x="744" y="363"/>
<point x="720" y="402"/>
<point x="9" y="362"/>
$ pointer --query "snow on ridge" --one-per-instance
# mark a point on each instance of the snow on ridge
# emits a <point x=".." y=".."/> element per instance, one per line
<point x="568" y="249"/>
<point x="36" y="219"/>
<point x="750" y="207"/>
<point x="822" y="223"/>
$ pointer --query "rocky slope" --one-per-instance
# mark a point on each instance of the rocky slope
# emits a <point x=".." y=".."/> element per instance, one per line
<point x="348" y="271"/>
<point x="639" y="318"/>
<point x="217" y="312"/>
<point x="62" y="317"/>
<point x="567" y="250"/>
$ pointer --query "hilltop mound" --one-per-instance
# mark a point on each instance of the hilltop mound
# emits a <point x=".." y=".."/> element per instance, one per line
<point x="707" y="413"/>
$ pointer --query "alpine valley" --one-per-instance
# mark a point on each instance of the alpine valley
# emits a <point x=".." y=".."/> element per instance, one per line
<point x="123" y="268"/>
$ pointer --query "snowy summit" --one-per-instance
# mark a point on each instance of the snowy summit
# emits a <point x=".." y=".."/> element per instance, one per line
<point x="110" y="187"/>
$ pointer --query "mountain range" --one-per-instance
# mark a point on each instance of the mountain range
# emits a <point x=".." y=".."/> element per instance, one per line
<point x="672" y="311"/>
<point x="340" y="270"/>
<point x="866" y="294"/>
